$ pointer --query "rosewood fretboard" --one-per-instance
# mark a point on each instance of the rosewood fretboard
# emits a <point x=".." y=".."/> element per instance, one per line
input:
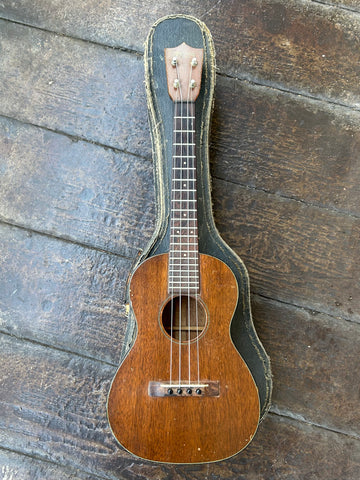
<point x="184" y="250"/>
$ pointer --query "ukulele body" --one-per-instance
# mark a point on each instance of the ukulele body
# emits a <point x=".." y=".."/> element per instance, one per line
<point x="141" y="422"/>
<point x="190" y="427"/>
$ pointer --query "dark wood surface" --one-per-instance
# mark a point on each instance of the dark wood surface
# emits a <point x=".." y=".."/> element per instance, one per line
<point x="76" y="206"/>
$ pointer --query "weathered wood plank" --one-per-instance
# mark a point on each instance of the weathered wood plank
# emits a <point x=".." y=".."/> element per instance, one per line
<point x="313" y="358"/>
<point x="71" y="297"/>
<point x="16" y="466"/>
<point x="328" y="241"/>
<point x="62" y="294"/>
<point x="301" y="149"/>
<point x="69" y="85"/>
<point x="328" y="247"/>
<point x="75" y="190"/>
<point x="296" y="253"/>
<point x="302" y="46"/>
<point x="54" y="405"/>
<point x="285" y="145"/>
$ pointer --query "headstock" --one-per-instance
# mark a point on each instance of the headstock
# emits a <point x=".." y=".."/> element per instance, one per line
<point x="183" y="71"/>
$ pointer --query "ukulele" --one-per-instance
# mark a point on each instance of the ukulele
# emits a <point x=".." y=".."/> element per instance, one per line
<point x="183" y="393"/>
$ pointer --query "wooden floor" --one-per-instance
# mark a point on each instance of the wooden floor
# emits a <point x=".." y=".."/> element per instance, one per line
<point x="76" y="206"/>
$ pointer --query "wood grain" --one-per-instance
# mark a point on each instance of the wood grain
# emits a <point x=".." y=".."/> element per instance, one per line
<point x="286" y="145"/>
<point x="191" y="429"/>
<point x="14" y="465"/>
<point x="55" y="401"/>
<point x="75" y="190"/>
<point x="62" y="294"/>
<point x="326" y="259"/>
<point x="301" y="46"/>
<point x="68" y="85"/>
<point x="265" y="139"/>
<point x="295" y="253"/>
<point x="313" y="359"/>
<point x="45" y="280"/>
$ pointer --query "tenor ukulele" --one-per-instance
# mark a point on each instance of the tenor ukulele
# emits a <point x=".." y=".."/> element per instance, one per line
<point x="183" y="393"/>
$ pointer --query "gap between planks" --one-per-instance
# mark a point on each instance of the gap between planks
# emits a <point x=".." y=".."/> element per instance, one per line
<point x="65" y="239"/>
<point x="248" y="78"/>
<point x="288" y="197"/>
<point x="334" y="5"/>
<point x="133" y="259"/>
<point x="65" y="468"/>
<point x="76" y="138"/>
<point x="273" y="411"/>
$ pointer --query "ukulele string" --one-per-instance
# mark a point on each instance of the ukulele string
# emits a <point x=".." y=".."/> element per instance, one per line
<point x="189" y="99"/>
<point x="173" y="229"/>
<point x="171" y="263"/>
<point x="195" y="256"/>
<point x="180" y="221"/>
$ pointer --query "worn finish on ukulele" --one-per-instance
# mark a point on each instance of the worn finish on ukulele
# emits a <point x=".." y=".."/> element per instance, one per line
<point x="187" y="428"/>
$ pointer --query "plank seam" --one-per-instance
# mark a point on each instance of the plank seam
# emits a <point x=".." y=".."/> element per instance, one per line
<point x="79" y="39"/>
<point x="58" y="349"/>
<point x="248" y="77"/>
<point x="149" y="159"/>
<point x="131" y="259"/>
<point x="288" y="91"/>
<point x="274" y="410"/>
<point x="64" y="239"/>
<point x="310" y="311"/>
<point x="299" y="418"/>
<point x="289" y="197"/>
<point x="333" y="5"/>
<point x="76" y="138"/>
<point x="66" y="468"/>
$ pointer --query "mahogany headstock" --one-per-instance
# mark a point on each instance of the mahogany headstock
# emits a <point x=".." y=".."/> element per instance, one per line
<point x="183" y="71"/>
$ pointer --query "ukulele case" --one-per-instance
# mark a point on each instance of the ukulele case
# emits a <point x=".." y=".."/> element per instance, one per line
<point x="170" y="32"/>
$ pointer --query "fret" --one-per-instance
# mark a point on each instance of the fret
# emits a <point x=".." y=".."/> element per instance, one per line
<point x="184" y="190"/>
<point x="182" y="210"/>
<point x="185" y="187"/>
<point x="182" y="243"/>
<point x="179" y="255"/>
<point x="184" y="131"/>
<point x="184" y="156"/>
<point x="185" y="144"/>
<point x="187" y="227"/>
<point x="180" y="270"/>
<point x="190" y="262"/>
<point x="183" y="117"/>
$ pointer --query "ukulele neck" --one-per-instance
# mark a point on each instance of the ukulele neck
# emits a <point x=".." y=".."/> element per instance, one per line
<point x="183" y="275"/>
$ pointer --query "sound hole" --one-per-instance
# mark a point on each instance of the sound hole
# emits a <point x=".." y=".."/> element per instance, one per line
<point x="188" y="317"/>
